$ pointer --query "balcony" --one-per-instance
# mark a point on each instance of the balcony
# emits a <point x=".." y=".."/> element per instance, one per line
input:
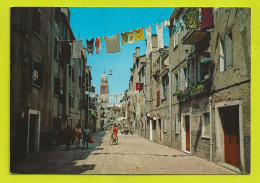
<point x="193" y="37"/>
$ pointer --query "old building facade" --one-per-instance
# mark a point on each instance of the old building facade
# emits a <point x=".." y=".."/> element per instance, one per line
<point x="205" y="77"/>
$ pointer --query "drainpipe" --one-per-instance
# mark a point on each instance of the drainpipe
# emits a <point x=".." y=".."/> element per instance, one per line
<point x="210" y="122"/>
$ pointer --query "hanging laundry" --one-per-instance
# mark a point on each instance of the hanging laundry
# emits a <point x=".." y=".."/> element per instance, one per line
<point x="100" y="43"/>
<point x="191" y="19"/>
<point x="139" y="34"/>
<point x="149" y="48"/>
<point x="139" y="86"/>
<point x="159" y="29"/>
<point x="90" y="46"/>
<point x="131" y="36"/>
<point x="178" y="25"/>
<point x="112" y="44"/>
<point x="206" y="19"/>
<point x="167" y="23"/>
<point x="76" y="49"/>
<point x="97" y="45"/>
<point x="124" y="37"/>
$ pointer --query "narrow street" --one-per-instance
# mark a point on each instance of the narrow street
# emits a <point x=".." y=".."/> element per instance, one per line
<point x="132" y="155"/>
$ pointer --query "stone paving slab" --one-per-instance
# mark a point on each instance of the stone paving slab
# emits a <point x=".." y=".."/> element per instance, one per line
<point x="132" y="155"/>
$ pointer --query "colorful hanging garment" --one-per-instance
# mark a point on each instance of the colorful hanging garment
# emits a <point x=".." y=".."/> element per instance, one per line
<point x="178" y="25"/>
<point x="139" y="86"/>
<point x="139" y="34"/>
<point x="206" y="19"/>
<point x="191" y="19"/>
<point x="112" y="44"/>
<point x="149" y="49"/>
<point x="90" y="46"/>
<point x="159" y="29"/>
<point x="131" y="36"/>
<point x="76" y="49"/>
<point x="97" y="45"/>
<point x="124" y="37"/>
<point x="100" y="43"/>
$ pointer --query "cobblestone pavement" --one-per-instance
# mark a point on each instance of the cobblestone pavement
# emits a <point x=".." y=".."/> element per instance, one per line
<point x="132" y="155"/>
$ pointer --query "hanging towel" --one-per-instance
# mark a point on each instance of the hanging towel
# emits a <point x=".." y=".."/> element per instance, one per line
<point x="100" y="43"/>
<point x="124" y="37"/>
<point x="97" y="45"/>
<point x="112" y="44"/>
<point x="206" y="19"/>
<point x="90" y="46"/>
<point x="167" y="23"/>
<point x="139" y="34"/>
<point x="76" y="49"/>
<point x="191" y="19"/>
<point x="131" y="36"/>
<point x="149" y="48"/>
<point x="178" y="25"/>
<point x="159" y="29"/>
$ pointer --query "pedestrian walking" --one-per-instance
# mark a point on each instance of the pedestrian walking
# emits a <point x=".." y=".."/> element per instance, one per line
<point x="68" y="135"/>
<point x="78" y="135"/>
<point x="86" y="136"/>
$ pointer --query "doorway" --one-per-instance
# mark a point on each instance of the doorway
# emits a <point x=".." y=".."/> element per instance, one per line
<point x="187" y="132"/>
<point x="229" y="117"/>
<point x="151" y="130"/>
<point x="33" y="135"/>
<point x="160" y="130"/>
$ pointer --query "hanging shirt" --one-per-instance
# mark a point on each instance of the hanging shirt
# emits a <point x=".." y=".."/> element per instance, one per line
<point x="131" y="36"/>
<point x="191" y="19"/>
<point x="112" y="44"/>
<point x="100" y="42"/>
<point x="149" y="48"/>
<point x="76" y="49"/>
<point x="139" y="34"/>
<point x="97" y="45"/>
<point x="206" y="19"/>
<point x="124" y="37"/>
<point x="167" y="23"/>
<point x="159" y="29"/>
<point x="90" y="46"/>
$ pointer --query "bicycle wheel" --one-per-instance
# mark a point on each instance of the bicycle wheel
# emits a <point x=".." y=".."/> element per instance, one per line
<point x="111" y="140"/>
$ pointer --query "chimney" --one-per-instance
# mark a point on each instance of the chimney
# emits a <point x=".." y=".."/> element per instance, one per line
<point x="137" y="51"/>
<point x="154" y="41"/>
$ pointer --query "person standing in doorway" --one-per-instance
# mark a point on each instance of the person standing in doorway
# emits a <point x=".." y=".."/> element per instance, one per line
<point x="68" y="135"/>
<point x="86" y="136"/>
<point x="78" y="135"/>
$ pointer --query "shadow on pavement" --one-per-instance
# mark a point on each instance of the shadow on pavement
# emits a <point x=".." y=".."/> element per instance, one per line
<point x="60" y="161"/>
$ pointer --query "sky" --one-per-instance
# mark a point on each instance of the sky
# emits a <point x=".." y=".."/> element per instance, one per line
<point x="88" y="23"/>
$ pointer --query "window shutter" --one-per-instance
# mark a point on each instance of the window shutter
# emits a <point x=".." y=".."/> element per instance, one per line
<point x="221" y="56"/>
<point x="228" y="51"/>
<point x="161" y="91"/>
<point x="186" y="76"/>
<point x="174" y="84"/>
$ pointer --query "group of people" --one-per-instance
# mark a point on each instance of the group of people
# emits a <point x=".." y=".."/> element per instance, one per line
<point x="77" y="134"/>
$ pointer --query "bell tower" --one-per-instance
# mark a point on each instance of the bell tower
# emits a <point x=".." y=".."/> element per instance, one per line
<point x="104" y="88"/>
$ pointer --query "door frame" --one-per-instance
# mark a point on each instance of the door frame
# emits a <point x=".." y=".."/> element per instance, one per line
<point x="151" y="129"/>
<point x="183" y="133"/>
<point x="220" y="152"/>
<point x="38" y="126"/>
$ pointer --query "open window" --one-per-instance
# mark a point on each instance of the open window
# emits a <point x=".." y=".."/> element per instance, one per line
<point x="226" y="52"/>
<point x="37" y="73"/>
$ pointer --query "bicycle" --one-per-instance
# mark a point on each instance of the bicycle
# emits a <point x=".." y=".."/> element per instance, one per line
<point x="112" y="139"/>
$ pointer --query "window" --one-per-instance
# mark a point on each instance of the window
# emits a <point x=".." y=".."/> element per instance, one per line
<point x="183" y="78"/>
<point x="164" y="87"/>
<point x="176" y="39"/>
<point x="36" y="20"/>
<point x="154" y="124"/>
<point x="164" y="125"/>
<point x="71" y="72"/>
<point x="226" y="52"/>
<point x="175" y="83"/>
<point x="56" y="87"/>
<point x="158" y="98"/>
<point x="56" y="48"/>
<point x="206" y="125"/>
<point x="71" y="99"/>
<point x="176" y="124"/>
<point x="37" y="73"/>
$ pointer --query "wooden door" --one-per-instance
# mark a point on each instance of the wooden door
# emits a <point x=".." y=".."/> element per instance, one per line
<point x="187" y="131"/>
<point x="230" y="121"/>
